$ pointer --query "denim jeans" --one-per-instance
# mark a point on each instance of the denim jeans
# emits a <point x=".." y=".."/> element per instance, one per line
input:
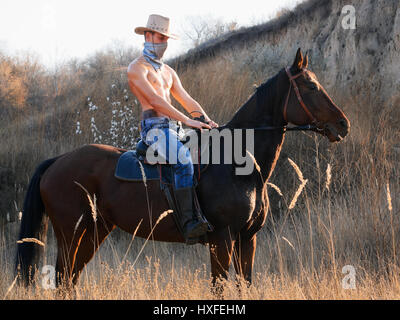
<point x="166" y="133"/>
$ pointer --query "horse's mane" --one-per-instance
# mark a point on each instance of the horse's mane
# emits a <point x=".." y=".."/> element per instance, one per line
<point x="253" y="110"/>
<point x="265" y="92"/>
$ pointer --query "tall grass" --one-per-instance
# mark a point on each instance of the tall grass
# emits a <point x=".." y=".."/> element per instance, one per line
<point x="291" y="262"/>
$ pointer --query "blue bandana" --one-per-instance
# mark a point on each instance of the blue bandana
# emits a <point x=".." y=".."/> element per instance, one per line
<point x="150" y="54"/>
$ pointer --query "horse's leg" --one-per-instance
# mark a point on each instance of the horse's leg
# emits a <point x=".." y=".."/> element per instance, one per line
<point x="90" y="242"/>
<point x="245" y="248"/>
<point x="76" y="251"/>
<point x="63" y="263"/>
<point x="221" y="247"/>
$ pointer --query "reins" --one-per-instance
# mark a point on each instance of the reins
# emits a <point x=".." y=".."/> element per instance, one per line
<point x="307" y="127"/>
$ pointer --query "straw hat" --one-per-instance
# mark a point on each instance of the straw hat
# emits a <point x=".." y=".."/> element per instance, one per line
<point x="157" y="23"/>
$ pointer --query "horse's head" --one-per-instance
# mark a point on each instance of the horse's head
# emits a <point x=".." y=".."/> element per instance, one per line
<point x="308" y="103"/>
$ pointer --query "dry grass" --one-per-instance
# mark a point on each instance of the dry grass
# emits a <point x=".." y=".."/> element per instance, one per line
<point x="185" y="275"/>
<point x="300" y="255"/>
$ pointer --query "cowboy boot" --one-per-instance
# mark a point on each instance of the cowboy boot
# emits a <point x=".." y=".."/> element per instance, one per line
<point x="191" y="226"/>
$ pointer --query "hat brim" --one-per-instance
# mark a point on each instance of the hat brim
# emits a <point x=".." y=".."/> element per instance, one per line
<point x="142" y="30"/>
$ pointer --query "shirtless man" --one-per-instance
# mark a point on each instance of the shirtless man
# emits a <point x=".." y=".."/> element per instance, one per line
<point x="152" y="82"/>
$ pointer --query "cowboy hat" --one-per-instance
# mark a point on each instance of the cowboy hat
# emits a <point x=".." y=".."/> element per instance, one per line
<point x="157" y="23"/>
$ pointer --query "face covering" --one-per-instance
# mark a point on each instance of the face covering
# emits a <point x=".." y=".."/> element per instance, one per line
<point x="153" y="53"/>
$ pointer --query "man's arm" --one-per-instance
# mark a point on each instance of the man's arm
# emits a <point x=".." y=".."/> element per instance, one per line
<point x="190" y="105"/>
<point x="137" y="78"/>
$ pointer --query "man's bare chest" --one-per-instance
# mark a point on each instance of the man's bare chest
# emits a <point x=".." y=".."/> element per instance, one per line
<point x="160" y="80"/>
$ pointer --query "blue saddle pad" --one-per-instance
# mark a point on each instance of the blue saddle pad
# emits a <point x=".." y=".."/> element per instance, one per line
<point x="129" y="169"/>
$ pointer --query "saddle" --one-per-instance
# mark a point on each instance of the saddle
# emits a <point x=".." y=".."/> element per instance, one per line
<point x="132" y="166"/>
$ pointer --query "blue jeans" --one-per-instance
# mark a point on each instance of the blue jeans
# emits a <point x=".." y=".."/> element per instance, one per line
<point x="166" y="133"/>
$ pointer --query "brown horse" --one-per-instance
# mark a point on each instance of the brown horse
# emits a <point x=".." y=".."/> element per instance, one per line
<point x="235" y="205"/>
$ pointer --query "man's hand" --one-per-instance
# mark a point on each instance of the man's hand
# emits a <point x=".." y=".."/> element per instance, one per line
<point x="206" y="119"/>
<point x="212" y="123"/>
<point x="196" y="124"/>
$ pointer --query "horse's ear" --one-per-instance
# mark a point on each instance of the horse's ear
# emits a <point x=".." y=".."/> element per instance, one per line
<point x="305" y="62"/>
<point x="298" y="61"/>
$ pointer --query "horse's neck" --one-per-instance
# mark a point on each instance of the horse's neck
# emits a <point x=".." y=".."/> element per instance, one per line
<point x="267" y="143"/>
<point x="244" y="117"/>
<point x="267" y="148"/>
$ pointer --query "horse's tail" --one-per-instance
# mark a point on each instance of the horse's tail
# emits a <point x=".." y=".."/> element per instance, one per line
<point x="33" y="230"/>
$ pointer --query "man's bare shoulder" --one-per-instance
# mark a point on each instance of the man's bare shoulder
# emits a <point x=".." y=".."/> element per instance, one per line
<point x="137" y="66"/>
<point x="172" y="72"/>
<point x="169" y="68"/>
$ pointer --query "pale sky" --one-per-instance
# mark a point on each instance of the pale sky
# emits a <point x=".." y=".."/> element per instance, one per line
<point x="57" y="30"/>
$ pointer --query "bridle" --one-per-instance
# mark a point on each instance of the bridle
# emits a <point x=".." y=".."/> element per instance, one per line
<point x="314" y="122"/>
<point x="292" y="80"/>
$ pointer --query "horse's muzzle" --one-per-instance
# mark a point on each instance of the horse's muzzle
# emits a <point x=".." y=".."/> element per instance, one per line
<point x="337" y="131"/>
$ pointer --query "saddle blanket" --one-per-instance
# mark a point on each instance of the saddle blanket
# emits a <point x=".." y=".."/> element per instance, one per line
<point x="130" y="168"/>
